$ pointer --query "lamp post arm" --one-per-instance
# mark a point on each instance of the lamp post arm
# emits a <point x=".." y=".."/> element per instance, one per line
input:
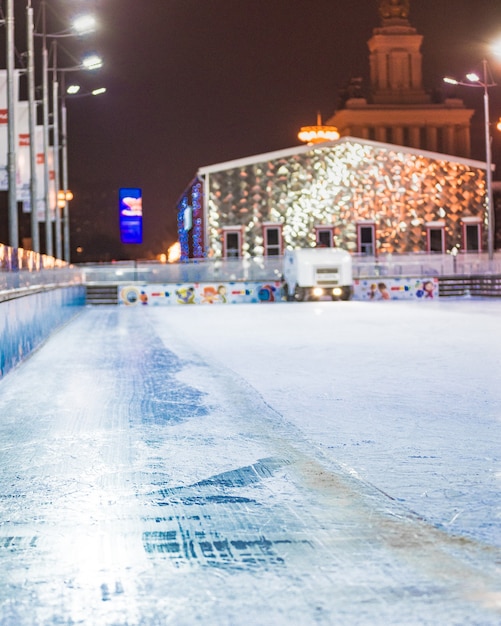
<point x="485" y="84"/>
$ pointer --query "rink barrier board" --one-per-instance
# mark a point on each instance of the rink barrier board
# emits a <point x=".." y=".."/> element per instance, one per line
<point x="420" y="289"/>
<point x="25" y="322"/>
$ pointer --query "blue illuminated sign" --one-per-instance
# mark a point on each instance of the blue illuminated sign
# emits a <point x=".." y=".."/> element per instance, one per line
<point x="131" y="214"/>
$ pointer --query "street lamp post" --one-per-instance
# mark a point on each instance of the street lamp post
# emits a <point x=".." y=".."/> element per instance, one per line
<point x="488" y="162"/>
<point x="64" y="159"/>
<point x="11" y="161"/>
<point x="45" y="108"/>
<point x="35" y="236"/>
<point x="55" y="142"/>
<point x="90" y="63"/>
<point x="476" y="81"/>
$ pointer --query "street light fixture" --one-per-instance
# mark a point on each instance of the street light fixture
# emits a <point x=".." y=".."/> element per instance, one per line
<point x="84" y="24"/>
<point x="484" y="83"/>
<point x="92" y="62"/>
<point x="73" y="92"/>
<point x="89" y="63"/>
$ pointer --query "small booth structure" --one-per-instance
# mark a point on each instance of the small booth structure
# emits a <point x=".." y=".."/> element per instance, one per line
<point x="363" y="196"/>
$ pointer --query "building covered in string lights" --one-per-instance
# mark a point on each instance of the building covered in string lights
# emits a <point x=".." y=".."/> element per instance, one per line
<point x="363" y="196"/>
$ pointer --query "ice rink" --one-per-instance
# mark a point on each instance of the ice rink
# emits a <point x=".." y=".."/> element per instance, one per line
<point x="332" y="463"/>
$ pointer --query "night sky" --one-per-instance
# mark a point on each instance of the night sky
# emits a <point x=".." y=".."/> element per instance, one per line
<point x="197" y="82"/>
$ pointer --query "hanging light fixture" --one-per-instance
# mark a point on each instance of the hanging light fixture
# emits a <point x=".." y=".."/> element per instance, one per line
<point x="318" y="133"/>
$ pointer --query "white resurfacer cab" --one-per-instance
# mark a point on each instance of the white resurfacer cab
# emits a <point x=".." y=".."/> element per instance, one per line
<point x="317" y="273"/>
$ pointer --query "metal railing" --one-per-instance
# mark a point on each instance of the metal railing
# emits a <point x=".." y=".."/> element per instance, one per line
<point x="270" y="268"/>
<point x="22" y="269"/>
<point x="426" y="264"/>
<point x="193" y="271"/>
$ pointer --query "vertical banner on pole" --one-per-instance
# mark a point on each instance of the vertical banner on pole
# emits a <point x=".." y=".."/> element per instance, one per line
<point x="23" y="170"/>
<point x="131" y="214"/>
<point x="4" y="177"/>
<point x="4" y="131"/>
<point x="52" y="185"/>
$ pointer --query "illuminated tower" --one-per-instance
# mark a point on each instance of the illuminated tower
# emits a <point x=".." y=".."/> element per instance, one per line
<point x="399" y="110"/>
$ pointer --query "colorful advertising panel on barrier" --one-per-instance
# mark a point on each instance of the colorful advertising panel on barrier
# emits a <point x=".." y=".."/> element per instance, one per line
<point x="198" y="293"/>
<point x="396" y="289"/>
<point x="418" y="289"/>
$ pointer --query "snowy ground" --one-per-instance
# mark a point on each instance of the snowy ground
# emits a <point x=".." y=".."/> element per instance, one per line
<point x="316" y="463"/>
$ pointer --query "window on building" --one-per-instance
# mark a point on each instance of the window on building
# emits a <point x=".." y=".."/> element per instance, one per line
<point x="272" y="235"/>
<point x="435" y="237"/>
<point x="232" y="244"/>
<point x="366" y="238"/>
<point x="324" y="237"/>
<point x="471" y="235"/>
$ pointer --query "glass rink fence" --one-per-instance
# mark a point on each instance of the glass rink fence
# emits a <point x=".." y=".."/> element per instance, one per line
<point x="21" y="269"/>
<point x="24" y="269"/>
<point x="271" y="268"/>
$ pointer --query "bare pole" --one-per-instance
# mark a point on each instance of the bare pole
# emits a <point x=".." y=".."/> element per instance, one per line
<point x="45" y="104"/>
<point x="11" y="161"/>
<point x="55" y="141"/>
<point x="488" y="163"/>
<point x="64" y="156"/>
<point x="35" y="235"/>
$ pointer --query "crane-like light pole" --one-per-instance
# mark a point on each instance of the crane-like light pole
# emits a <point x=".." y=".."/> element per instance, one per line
<point x="64" y="156"/>
<point x="484" y="83"/>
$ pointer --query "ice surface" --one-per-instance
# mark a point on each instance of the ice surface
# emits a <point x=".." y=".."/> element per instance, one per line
<point x="316" y="463"/>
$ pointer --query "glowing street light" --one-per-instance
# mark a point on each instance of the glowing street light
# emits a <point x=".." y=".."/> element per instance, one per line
<point x="84" y="24"/>
<point x="92" y="62"/>
<point x="64" y="196"/>
<point x="484" y="83"/>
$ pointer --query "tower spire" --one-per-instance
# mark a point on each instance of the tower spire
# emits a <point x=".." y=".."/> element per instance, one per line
<point x="396" y="63"/>
<point x="391" y="10"/>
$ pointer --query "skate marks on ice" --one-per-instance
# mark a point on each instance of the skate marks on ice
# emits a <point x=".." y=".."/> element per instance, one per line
<point x="191" y="538"/>
<point x="333" y="524"/>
